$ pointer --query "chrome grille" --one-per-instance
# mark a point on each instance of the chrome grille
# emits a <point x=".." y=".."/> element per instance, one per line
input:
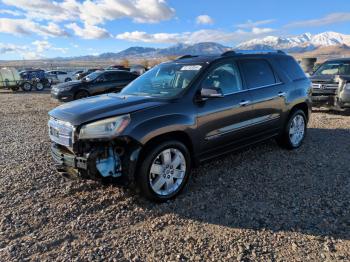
<point x="325" y="86"/>
<point x="61" y="132"/>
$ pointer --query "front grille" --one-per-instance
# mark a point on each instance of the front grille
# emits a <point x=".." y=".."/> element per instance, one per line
<point x="321" y="86"/>
<point x="61" y="132"/>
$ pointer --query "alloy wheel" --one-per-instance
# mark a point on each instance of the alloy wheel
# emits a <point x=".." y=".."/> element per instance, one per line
<point x="167" y="172"/>
<point x="297" y="130"/>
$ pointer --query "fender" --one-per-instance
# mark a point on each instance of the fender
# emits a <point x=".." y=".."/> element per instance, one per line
<point x="151" y="128"/>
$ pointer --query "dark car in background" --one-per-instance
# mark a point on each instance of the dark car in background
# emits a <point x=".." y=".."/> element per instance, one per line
<point x="179" y="114"/>
<point x="86" y="72"/>
<point x="96" y="83"/>
<point x="34" y="78"/>
<point x="331" y="84"/>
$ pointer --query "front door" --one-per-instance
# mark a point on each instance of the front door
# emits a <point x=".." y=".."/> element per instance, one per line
<point x="223" y="121"/>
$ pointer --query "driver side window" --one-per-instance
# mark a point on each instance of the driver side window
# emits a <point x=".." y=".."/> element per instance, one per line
<point x="224" y="77"/>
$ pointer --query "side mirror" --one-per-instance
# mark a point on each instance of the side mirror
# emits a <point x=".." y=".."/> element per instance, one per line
<point x="211" y="93"/>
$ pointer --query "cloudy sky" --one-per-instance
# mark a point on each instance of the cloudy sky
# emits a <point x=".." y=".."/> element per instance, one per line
<point x="43" y="28"/>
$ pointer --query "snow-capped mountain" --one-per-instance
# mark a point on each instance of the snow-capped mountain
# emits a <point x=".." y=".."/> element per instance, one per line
<point x="300" y="43"/>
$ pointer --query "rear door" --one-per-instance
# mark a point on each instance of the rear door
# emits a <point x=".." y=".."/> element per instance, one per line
<point x="267" y="94"/>
<point x="223" y="122"/>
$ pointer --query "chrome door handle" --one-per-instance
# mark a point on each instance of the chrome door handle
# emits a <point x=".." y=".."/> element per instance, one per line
<point x="244" y="103"/>
<point x="282" y="94"/>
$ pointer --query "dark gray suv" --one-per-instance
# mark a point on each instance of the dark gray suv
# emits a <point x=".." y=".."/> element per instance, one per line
<point x="181" y="113"/>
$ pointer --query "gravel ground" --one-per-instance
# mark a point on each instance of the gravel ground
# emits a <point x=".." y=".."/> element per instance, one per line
<point x="262" y="203"/>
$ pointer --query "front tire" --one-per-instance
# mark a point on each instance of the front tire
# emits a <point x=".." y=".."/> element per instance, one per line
<point x="294" y="132"/>
<point x="39" y="86"/>
<point x="81" y="94"/>
<point x="164" y="171"/>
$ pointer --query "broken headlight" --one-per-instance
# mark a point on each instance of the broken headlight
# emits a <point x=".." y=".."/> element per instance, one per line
<point x="106" y="128"/>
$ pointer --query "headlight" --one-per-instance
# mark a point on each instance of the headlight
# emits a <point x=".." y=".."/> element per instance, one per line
<point x="106" y="128"/>
<point x="347" y="86"/>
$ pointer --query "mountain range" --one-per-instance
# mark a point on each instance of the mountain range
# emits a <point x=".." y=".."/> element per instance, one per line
<point x="297" y="44"/>
<point x="300" y="44"/>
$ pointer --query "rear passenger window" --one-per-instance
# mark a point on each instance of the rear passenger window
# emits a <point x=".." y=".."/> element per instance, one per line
<point x="291" y="68"/>
<point x="112" y="76"/>
<point x="257" y="73"/>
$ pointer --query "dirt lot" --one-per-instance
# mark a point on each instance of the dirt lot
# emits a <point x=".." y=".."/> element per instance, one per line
<point x="262" y="203"/>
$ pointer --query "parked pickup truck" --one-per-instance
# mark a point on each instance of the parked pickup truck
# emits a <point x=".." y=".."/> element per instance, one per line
<point x="331" y="84"/>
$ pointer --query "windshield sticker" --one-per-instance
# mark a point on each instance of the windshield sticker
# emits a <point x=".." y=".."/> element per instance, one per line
<point x="191" y="68"/>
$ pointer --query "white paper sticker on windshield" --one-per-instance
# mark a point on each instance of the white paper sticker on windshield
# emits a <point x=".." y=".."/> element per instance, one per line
<point x="191" y="68"/>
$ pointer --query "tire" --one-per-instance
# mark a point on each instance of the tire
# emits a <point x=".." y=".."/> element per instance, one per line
<point x="27" y="86"/>
<point x="147" y="181"/>
<point x="39" y="86"/>
<point x="81" y="94"/>
<point x="292" y="141"/>
<point x="67" y="79"/>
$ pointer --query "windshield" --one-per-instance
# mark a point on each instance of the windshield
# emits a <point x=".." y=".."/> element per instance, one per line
<point x="334" y="68"/>
<point x="91" y="77"/>
<point x="165" y="80"/>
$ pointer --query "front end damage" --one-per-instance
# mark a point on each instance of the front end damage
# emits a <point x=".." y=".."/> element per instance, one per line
<point x="333" y="94"/>
<point x="95" y="159"/>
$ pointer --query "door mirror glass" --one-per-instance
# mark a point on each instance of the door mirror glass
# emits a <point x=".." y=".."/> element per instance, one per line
<point x="211" y="92"/>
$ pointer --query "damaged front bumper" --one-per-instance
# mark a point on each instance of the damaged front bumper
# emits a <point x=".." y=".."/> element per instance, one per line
<point x="64" y="158"/>
<point x="100" y="161"/>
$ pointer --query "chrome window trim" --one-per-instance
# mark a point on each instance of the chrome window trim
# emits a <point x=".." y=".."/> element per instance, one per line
<point x="255" y="88"/>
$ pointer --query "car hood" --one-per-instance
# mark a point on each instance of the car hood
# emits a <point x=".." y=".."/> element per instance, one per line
<point x="103" y="106"/>
<point x="323" y="78"/>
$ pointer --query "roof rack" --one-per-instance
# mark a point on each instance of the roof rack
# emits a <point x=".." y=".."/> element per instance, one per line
<point x="232" y="52"/>
<point x="184" y="57"/>
<point x="229" y="53"/>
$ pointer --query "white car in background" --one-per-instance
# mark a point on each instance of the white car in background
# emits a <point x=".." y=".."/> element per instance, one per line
<point x="57" y="76"/>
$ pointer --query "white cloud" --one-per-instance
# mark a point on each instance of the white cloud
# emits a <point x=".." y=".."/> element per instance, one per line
<point x="47" y="10"/>
<point x="22" y="51"/>
<point x="329" y="19"/>
<point x="10" y="12"/>
<point x="194" y="37"/>
<point x="95" y="11"/>
<point x="26" y="27"/>
<point x="8" y="48"/>
<point x="252" y="24"/>
<point x="89" y="31"/>
<point x="204" y="20"/>
<point x="138" y="36"/>
<point x="43" y="46"/>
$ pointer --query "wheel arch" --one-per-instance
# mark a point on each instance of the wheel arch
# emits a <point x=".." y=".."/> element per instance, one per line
<point x="304" y="106"/>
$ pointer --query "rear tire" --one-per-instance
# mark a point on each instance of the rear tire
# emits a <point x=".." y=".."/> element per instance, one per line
<point x="294" y="132"/>
<point x="170" y="175"/>
<point x="39" y="86"/>
<point x="81" y="94"/>
<point x="27" y="86"/>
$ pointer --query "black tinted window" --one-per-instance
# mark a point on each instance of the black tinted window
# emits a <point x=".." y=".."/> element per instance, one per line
<point x="291" y="68"/>
<point x="257" y="73"/>
<point x="226" y="77"/>
<point x="112" y="76"/>
<point x="126" y="76"/>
